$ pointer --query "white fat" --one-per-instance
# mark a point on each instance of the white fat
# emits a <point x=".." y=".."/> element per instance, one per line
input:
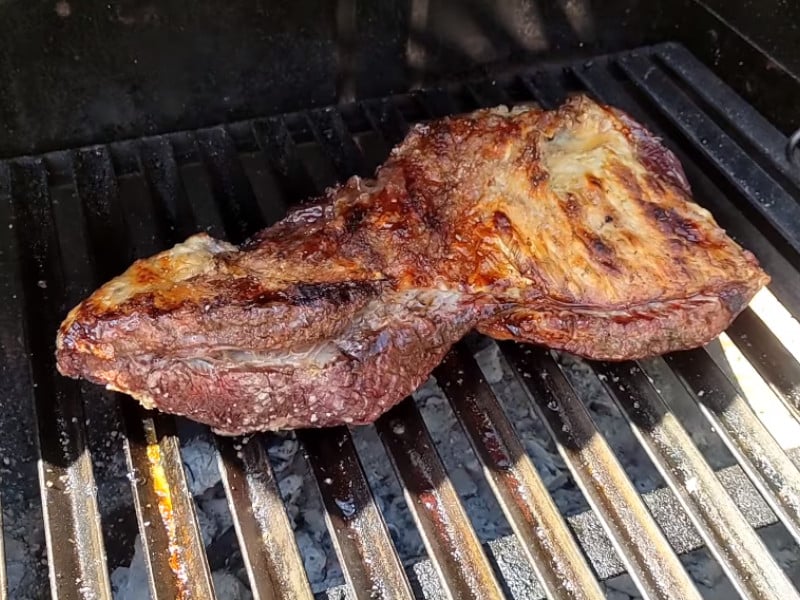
<point x="186" y="260"/>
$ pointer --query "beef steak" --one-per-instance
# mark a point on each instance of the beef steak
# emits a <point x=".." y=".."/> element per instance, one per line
<point x="572" y="228"/>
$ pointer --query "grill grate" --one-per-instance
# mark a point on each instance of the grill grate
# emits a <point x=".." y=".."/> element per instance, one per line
<point x="76" y="218"/>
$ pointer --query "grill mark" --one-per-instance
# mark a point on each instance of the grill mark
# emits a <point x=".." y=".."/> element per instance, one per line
<point x="571" y="206"/>
<point x="670" y="222"/>
<point x="243" y="292"/>
<point x="598" y="250"/>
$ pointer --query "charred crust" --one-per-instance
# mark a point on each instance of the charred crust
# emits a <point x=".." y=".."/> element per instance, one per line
<point x="652" y="153"/>
<point x="671" y="223"/>
<point x="599" y="251"/>
<point x="734" y="299"/>
<point x="571" y="206"/>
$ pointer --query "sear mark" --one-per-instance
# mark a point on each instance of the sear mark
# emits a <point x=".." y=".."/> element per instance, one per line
<point x="671" y="222"/>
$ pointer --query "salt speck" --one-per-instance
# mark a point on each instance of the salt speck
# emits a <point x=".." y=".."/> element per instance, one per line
<point x="42" y="284"/>
<point x="701" y="393"/>
<point x="692" y="485"/>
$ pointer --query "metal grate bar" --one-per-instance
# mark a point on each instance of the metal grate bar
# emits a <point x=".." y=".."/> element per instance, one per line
<point x="544" y="88"/>
<point x="332" y="134"/>
<point x="265" y="534"/>
<point x="171" y="538"/>
<point x="360" y="537"/>
<point x="384" y="116"/>
<point x="551" y="549"/>
<point x="738" y="115"/>
<point x="276" y="143"/>
<point x="641" y="545"/>
<point x="739" y="550"/>
<point x="487" y="94"/>
<point x="770" y="358"/>
<point x="157" y="163"/>
<point x="230" y="186"/>
<point x="436" y="102"/>
<point x="771" y="200"/>
<point x="451" y="542"/>
<point x="76" y="553"/>
<point x="764" y="461"/>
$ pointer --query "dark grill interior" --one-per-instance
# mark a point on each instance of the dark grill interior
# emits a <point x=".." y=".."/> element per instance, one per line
<point x="78" y="217"/>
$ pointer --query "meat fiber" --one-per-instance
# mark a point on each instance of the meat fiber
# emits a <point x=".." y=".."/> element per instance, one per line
<point x="571" y="228"/>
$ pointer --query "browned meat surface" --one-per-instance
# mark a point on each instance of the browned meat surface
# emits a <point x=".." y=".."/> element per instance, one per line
<point x="571" y="228"/>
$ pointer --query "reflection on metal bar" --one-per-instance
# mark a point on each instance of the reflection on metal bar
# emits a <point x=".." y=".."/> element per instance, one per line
<point x="451" y="542"/>
<point x="265" y="534"/>
<point x="764" y="461"/>
<point x="739" y="550"/>
<point x="366" y="553"/>
<point x="551" y="549"/>
<point x="171" y="539"/>
<point x="641" y="545"/>
<point x="771" y="359"/>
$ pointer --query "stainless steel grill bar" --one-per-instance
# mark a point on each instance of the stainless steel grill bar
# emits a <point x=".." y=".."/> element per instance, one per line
<point x="266" y="539"/>
<point x="771" y="359"/>
<point x="764" y="461"/>
<point x="171" y="539"/>
<point x="174" y="551"/>
<point x="75" y="549"/>
<point x="451" y="542"/>
<point x="550" y="547"/>
<point x="739" y="550"/>
<point x="366" y="553"/>
<point x="639" y="542"/>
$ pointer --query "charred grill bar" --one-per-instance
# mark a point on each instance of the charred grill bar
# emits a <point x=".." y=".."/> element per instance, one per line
<point x="76" y="218"/>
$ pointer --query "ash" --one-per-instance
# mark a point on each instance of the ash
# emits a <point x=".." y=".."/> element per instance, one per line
<point x="304" y="507"/>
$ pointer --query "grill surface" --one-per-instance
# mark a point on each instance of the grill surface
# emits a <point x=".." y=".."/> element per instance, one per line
<point x="72" y="219"/>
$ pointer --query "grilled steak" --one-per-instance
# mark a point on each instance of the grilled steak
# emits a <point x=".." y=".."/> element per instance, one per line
<point x="572" y="228"/>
